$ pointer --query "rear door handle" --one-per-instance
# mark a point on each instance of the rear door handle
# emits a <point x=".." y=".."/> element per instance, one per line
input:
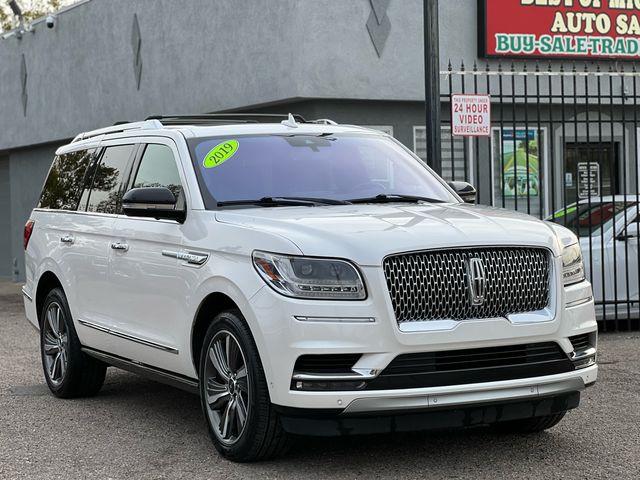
<point x="120" y="246"/>
<point x="67" y="239"/>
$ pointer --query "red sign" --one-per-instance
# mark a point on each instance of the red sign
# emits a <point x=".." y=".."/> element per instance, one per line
<point x="471" y="115"/>
<point x="560" y="28"/>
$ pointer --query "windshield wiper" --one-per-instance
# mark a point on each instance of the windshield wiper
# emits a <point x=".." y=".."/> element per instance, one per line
<point x="395" y="198"/>
<point x="284" y="202"/>
<point x="319" y="201"/>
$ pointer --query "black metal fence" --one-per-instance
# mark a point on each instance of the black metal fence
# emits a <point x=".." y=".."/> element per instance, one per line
<point x="564" y="147"/>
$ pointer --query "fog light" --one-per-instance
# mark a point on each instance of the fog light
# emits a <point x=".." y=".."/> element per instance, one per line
<point x="584" y="362"/>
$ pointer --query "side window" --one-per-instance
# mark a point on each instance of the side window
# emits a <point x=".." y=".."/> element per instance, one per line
<point x="158" y="169"/>
<point x="64" y="185"/>
<point x="106" y="192"/>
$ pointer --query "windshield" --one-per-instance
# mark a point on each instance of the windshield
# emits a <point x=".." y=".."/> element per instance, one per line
<point x="585" y="219"/>
<point x="333" y="167"/>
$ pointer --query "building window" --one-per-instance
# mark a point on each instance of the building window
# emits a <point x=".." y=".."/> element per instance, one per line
<point x="456" y="158"/>
<point x="518" y="163"/>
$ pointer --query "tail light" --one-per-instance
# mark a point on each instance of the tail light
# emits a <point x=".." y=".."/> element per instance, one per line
<point x="28" y="230"/>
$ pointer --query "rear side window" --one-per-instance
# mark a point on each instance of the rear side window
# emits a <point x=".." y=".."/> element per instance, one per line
<point x="64" y="185"/>
<point x="106" y="191"/>
<point x="158" y="169"/>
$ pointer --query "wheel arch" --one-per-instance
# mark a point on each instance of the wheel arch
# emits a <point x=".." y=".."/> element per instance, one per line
<point x="47" y="282"/>
<point x="213" y="304"/>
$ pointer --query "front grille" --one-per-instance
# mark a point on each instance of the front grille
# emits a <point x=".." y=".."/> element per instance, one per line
<point x="434" y="285"/>
<point x="459" y="367"/>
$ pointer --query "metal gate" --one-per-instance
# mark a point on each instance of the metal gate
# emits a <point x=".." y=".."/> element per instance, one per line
<point x="564" y="147"/>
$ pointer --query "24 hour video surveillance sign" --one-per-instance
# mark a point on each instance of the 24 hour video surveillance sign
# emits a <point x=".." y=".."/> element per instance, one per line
<point x="560" y="28"/>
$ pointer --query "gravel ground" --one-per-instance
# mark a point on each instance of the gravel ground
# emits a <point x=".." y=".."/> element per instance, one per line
<point x="140" y="429"/>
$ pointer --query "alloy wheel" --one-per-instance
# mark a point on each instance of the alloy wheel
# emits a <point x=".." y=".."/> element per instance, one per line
<point x="227" y="387"/>
<point x="55" y="344"/>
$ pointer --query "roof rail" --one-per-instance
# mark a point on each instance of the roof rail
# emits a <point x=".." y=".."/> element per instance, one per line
<point x="222" y="118"/>
<point x="324" y="121"/>
<point x="147" y="124"/>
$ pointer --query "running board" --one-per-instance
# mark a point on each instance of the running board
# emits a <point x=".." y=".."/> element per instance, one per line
<point x="152" y="373"/>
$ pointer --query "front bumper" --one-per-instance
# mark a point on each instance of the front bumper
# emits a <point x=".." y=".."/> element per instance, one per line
<point x="329" y="424"/>
<point x="285" y="329"/>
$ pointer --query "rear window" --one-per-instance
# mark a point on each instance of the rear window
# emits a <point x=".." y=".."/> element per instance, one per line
<point x="328" y="166"/>
<point x="65" y="183"/>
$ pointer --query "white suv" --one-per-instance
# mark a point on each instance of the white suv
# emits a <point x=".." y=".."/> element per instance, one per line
<point x="304" y="278"/>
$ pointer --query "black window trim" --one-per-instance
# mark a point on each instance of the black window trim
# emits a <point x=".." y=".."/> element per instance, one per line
<point x="142" y="148"/>
<point x="126" y="174"/>
<point x="88" y="182"/>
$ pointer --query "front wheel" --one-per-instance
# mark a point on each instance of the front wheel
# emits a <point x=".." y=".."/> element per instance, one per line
<point x="233" y="390"/>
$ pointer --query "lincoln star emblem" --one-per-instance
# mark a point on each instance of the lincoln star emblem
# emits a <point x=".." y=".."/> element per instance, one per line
<point x="477" y="281"/>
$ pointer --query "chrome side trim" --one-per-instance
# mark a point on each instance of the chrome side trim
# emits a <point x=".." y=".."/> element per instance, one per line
<point x="141" y="341"/>
<point x="191" y="258"/>
<point x="163" y="376"/>
<point x="357" y="375"/>
<point x="335" y="319"/>
<point x="106" y="215"/>
<point x="577" y="303"/>
<point x="76" y="212"/>
<point x="26" y="295"/>
<point x="148" y="206"/>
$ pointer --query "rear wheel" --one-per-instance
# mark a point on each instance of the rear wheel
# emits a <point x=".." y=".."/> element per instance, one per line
<point x="233" y="390"/>
<point x="529" y="425"/>
<point x="68" y="371"/>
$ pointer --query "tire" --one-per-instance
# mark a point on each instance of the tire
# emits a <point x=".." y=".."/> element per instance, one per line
<point x="69" y="372"/>
<point x="529" y="425"/>
<point x="233" y="387"/>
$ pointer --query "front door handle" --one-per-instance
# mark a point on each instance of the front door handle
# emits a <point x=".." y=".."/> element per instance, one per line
<point x="120" y="246"/>
<point x="67" y="239"/>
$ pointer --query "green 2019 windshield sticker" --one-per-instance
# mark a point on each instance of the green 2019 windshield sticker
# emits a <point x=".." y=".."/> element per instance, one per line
<point x="220" y="153"/>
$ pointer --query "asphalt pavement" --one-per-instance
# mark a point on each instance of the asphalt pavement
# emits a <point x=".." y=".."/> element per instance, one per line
<point x="136" y="428"/>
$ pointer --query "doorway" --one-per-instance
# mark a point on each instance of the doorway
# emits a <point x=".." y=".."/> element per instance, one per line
<point x="591" y="170"/>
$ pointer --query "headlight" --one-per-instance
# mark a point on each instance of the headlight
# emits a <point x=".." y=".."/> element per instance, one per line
<point x="303" y="277"/>
<point x="572" y="265"/>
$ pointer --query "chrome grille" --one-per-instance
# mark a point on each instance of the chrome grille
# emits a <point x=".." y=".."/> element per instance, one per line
<point x="434" y="285"/>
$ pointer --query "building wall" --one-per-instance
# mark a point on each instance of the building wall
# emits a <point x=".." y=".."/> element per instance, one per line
<point x="201" y="56"/>
<point x="28" y="169"/>
<point x="401" y="116"/>
<point x="314" y="57"/>
<point x="5" y="219"/>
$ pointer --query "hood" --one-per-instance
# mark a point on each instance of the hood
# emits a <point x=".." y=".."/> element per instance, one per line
<point x="366" y="234"/>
